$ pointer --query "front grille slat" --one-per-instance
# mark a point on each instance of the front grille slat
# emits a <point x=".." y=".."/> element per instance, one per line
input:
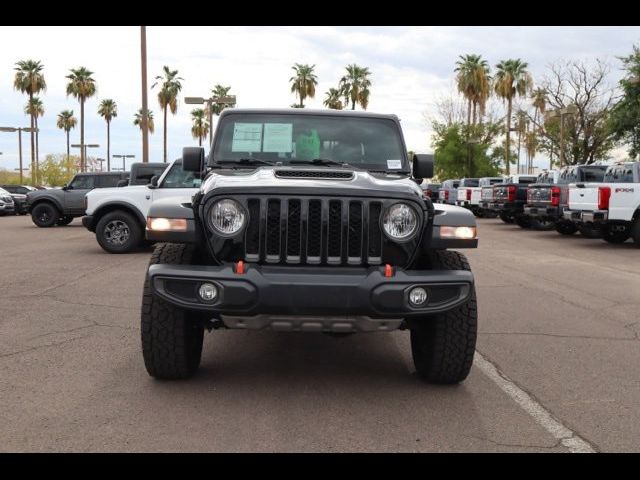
<point x="314" y="231"/>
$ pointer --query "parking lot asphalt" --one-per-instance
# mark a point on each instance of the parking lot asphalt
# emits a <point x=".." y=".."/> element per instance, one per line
<point x="559" y="347"/>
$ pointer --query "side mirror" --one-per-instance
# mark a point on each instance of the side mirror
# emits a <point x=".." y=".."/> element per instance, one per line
<point x="153" y="183"/>
<point x="422" y="166"/>
<point x="193" y="159"/>
<point x="66" y="187"/>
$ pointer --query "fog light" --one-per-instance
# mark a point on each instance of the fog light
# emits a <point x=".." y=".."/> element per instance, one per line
<point x="208" y="292"/>
<point x="418" y="296"/>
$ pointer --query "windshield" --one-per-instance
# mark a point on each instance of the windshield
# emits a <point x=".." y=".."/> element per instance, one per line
<point x="371" y="143"/>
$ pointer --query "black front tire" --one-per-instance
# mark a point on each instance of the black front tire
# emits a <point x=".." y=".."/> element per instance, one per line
<point x="589" y="231"/>
<point x="506" y="218"/>
<point x="524" y="221"/>
<point x="566" y="228"/>
<point x="635" y="231"/>
<point x="171" y="337"/>
<point x="611" y="234"/>
<point x="64" y="221"/>
<point x="45" y="215"/>
<point x="542" y="224"/>
<point x="118" y="232"/>
<point x="443" y="345"/>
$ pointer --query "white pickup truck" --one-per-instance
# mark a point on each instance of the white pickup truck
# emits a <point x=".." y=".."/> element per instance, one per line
<point x="613" y="205"/>
<point x="470" y="194"/>
<point x="118" y="216"/>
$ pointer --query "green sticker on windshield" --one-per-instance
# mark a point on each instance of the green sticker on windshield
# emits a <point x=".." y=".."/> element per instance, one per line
<point x="308" y="145"/>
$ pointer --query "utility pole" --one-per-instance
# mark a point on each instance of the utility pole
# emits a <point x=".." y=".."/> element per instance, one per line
<point x="145" y="107"/>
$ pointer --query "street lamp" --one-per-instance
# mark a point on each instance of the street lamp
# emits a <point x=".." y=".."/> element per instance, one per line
<point x="562" y="112"/>
<point x="83" y="167"/>
<point x="123" y="157"/>
<point x="19" y="130"/>
<point x="228" y="100"/>
<point x="101" y="160"/>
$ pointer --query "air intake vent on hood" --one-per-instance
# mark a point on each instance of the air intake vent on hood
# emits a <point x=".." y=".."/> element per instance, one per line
<point x="315" y="174"/>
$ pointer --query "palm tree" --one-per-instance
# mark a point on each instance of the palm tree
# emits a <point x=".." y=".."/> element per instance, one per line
<point x="304" y="82"/>
<point x="108" y="110"/>
<point x="474" y="82"/>
<point x="512" y="79"/>
<point x="30" y="80"/>
<point x="522" y="127"/>
<point x="219" y="91"/>
<point x="82" y="86"/>
<point x="333" y="99"/>
<point x="200" y="127"/>
<point x="66" y="121"/>
<point x="35" y="108"/>
<point x="170" y="86"/>
<point x="138" y="120"/>
<point x="354" y="86"/>
<point x="539" y="102"/>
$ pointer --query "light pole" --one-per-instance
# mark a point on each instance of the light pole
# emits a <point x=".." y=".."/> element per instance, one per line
<point x="123" y="157"/>
<point x="101" y="160"/>
<point x="229" y="101"/>
<point x="19" y="130"/>
<point x="83" y="167"/>
<point x="145" y="109"/>
<point x="562" y="112"/>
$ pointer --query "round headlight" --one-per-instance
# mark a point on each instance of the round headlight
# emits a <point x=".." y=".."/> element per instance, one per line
<point x="400" y="221"/>
<point x="227" y="216"/>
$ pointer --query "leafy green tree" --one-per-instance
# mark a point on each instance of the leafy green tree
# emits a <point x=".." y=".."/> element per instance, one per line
<point x="81" y="86"/>
<point x="625" y="117"/>
<point x="170" y="85"/>
<point x="512" y="79"/>
<point x="304" y="82"/>
<point x="200" y="126"/>
<point x="355" y="86"/>
<point x="474" y="82"/>
<point x="108" y="110"/>
<point x="29" y="79"/>
<point x="333" y="99"/>
<point x="35" y="108"/>
<point x="66" y="121"/>
<point x="58" y="169"/>
<point x="137" y="120"/>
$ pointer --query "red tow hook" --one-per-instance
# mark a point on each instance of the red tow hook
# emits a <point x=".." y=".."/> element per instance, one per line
<point x="388" y="271"/>
<point x="240" y="267"/>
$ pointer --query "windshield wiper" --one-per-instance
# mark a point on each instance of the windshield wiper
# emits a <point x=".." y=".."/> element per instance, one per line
<point x="319" y="161"/>
<point x="246" y="161"/>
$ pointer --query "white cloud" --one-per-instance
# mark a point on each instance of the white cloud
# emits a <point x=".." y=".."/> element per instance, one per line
<point x="411" y="66"/>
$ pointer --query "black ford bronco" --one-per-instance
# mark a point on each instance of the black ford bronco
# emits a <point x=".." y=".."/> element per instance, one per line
<point x="309" y="221"/>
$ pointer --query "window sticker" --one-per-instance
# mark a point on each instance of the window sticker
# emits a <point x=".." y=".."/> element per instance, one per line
<point x="308" y="145"/>
<point x="394" y="164"/>
<point x="278" y="137"/>
<point x="247" y="137"/>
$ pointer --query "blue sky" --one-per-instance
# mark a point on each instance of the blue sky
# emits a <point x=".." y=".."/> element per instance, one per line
<point x="411" y="66"/>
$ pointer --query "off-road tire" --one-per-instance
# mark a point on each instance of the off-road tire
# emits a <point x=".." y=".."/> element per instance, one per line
<point x="64" y="221"/>
<point x="122" y="220"/>
<point x="506" y="218"/>
<point x="45" y="215"/>
<point x="443" y="345"/>
<point x="635" y="231"/>
<point x="566" y="228"/>
<point x="610" y="235"/>
<point x="171" y="337"/>
<point x="524" y="221"/>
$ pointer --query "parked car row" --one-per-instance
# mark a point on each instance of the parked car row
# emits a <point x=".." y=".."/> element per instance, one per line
<point x="599" y="201"/>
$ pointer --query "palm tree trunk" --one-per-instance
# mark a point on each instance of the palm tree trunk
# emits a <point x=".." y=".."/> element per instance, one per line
<point x="519" y="148"/>
<point x="108" y="146"/>
<point x="37" y="153"/>
<point x="301" y="100"/>
<point x="165" y="134"/>
<point x="199" y="140"/>
<point x="469" y="112"/>
<point x="33" y="146"/>
<point x="474" y="113"/>
<point x="68" y="155"/>
<point x="508" y="146"/>
<point x="82" y="159"/>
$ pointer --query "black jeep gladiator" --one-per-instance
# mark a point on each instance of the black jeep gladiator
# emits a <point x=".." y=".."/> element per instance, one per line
<point x="309" y="221"/>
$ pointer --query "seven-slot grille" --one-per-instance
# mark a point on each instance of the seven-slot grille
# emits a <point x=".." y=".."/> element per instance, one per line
<point x="309" y="230"/>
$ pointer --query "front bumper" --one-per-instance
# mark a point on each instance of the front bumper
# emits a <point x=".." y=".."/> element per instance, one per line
<point x="344" y="292"/>
<point x="7" y="208"/>
<point x="586" y="216"/>
<point x="542" y="211"/>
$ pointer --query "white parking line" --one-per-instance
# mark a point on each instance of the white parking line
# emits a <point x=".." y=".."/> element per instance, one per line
<point x="568" y="438"/>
